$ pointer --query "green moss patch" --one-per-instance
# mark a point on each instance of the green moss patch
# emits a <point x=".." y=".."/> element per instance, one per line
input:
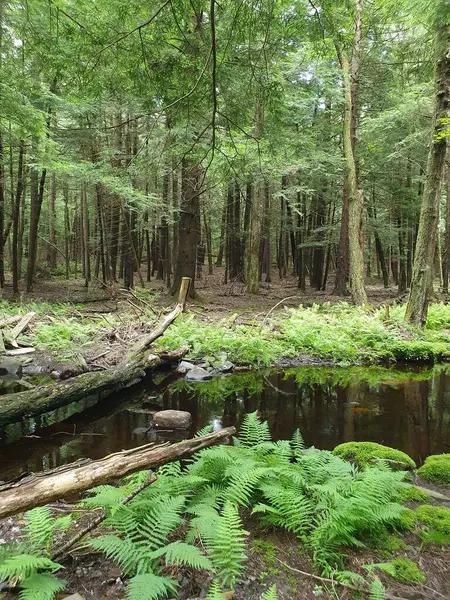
<point x="434" y="517"/>
<point x="407" y="571"/>
<point x="436" y="469"/>
<point x="365" y="453"/>
<point x="414" y="494"/>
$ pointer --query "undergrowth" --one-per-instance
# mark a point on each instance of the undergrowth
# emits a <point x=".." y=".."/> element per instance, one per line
<point x="342" y="333"/>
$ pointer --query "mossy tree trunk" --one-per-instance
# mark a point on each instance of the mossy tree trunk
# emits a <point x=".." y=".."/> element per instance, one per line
<point x="417" y="307"/>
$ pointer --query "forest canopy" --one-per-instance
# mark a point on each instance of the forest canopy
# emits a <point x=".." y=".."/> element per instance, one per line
<point x="266" y="138"/>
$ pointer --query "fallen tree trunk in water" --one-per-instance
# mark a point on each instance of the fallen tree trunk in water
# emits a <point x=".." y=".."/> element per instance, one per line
<point x="41" y="488"/>
<point x="131" y="369"/>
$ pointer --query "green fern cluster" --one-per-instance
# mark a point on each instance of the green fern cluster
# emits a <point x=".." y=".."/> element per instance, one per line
<point x="27" y="563"/>
<point x="327" y="502"/>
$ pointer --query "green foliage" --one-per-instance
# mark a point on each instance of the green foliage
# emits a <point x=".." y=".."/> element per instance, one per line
<point x="271" y="594"/>
<point x="365" y="453"/>
<point x="412" y="493"/>
<point x="376" y="590"/>
<point x="407" y="520"/>
<point x="436" y="469"/>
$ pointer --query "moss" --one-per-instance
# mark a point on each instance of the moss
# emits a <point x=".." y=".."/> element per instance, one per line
<point x="434" y="517"/>
<point x="364" y="453"/>
<point x="436" y="469"/>
<point x="413" y="494"/>
<point x="407" y="571"/>
<point x="267" y="551"/>
<point x="407" y="520"/>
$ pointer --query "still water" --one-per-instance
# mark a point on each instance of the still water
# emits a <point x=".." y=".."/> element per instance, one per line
<point x="406" y="409"/>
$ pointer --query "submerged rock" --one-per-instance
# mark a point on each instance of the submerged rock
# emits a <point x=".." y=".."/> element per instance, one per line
<point x="172" y="419"/>
<point x="198" y="374"/>
<point x="10" y="369"/>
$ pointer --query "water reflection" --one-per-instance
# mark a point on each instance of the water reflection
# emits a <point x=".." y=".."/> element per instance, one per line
<point x="409" y="410"/>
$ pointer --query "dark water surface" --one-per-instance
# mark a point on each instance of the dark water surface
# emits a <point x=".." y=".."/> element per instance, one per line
<point x="406" y="409"/>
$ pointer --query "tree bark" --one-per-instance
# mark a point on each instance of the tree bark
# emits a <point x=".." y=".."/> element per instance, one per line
<point x="446" y="253"/>
<point x="41" y="488"/>
<point x="51" y="222"/>
<point x="16" y="219"/>
<point x="417" y="307"/>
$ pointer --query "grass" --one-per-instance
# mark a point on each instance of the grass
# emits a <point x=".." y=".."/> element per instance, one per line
<point x="341" y="333"/>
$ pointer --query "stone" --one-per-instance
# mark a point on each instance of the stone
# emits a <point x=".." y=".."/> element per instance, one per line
<point x="172" y="419"/>
<point x="198" y="374"/>
<point x="224" y="367"/>
<point x="184" y="367"/>
<point x="10" y="369"/>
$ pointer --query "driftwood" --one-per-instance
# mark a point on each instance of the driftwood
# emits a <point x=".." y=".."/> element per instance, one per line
<point x="131" y="369"/>
<point x="41" y="488"/>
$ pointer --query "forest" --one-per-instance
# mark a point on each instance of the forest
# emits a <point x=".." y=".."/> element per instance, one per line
<point x="269" y="139"/>
<point x="224" y="299"/>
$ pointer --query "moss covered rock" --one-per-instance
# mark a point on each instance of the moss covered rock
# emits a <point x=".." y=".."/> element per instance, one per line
<point x="436" y="518"/>
<point x="436" y="469"/>
<point x="365" y="453"/>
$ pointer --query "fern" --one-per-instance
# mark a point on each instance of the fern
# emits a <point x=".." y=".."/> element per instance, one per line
<point x="180" y="553"/>
<point x="253" y="431"/>
<point x="149" y="586"/>
<point x="376" y="590"/>
<point x="215" y="592"/>
<point x="271" y="594"/>
<point x="226" y="547"/>
<point x="41" y="586"/>
<point x="22" y="566"/>
<point x="297" y="443"/>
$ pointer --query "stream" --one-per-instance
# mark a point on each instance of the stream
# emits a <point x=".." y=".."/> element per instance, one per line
<point x="406" y="408"/>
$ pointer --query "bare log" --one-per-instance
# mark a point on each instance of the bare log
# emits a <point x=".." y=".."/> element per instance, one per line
<point x="41" y="488"/>
<point x="131" y="369"/>
<point x="22" y="325"/>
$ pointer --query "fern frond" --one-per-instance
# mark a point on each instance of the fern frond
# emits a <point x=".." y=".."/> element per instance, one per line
<point x="271" y="594"/>
<point x="227" y="547"/>
<point x="376" y="590"/>
<point x="204" y="430"/>
<point x="242" y="486"/>
<point x="105" y="496"/>
<point x="215" y="592"/>
<point x="180" y="553"/>
<point x="297" y="443"/>
<point x="41" y="586"/>
<point x="24" y="565"/>
<point x="253" y="431"/>
<point x="124" y="552"/>
<point x="149" y="586"/>
<point x="162" y="518"/>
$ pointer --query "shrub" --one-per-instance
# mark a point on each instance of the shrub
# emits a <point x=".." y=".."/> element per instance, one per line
<point x="436" y="469"/>
<point x="365" y="453"/>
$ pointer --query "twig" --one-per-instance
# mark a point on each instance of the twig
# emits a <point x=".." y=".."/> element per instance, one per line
<point x="335" y="582"/>
<point x="77" y="537"/>
<point x="277" y="304"/>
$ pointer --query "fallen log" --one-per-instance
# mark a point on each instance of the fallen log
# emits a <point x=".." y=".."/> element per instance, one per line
<point x="131" y="369"/>
<point x="41" y="488"/>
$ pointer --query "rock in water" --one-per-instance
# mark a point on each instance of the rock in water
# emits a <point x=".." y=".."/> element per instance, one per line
<point x="172" y="419"/>
<point x="198" y="374"/>
<point x="10" y="369"/>
<point x="184" y="367"/>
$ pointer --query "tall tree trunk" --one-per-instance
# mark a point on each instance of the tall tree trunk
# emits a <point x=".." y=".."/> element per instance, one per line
<point x="417" y="307"/>
<point x="86" y="235"/>
<point x="16" y="219"/>
<point x="36" y="196"/>
<point x="350" y="77"/>
<point x="223" y="222"/>
<point x="188" y="234"/>
<point x="446" y="253"/>
<point x="2" y="199"/>
<point x="51" y="256"/>
<point x="257" y="205"/>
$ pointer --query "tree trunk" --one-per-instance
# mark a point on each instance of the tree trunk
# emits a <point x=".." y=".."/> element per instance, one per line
<point x="36" y="196"/>
<point x="2" y="198"/>
<point x="16" y="219"/>
<point x="86" y="234"/>
<point x="41" y="488"/>
<point x="417" y="307"/>
<point x="446" y="253"/>
<point x="51" y="257"/>
<point x="188" y="234"/>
